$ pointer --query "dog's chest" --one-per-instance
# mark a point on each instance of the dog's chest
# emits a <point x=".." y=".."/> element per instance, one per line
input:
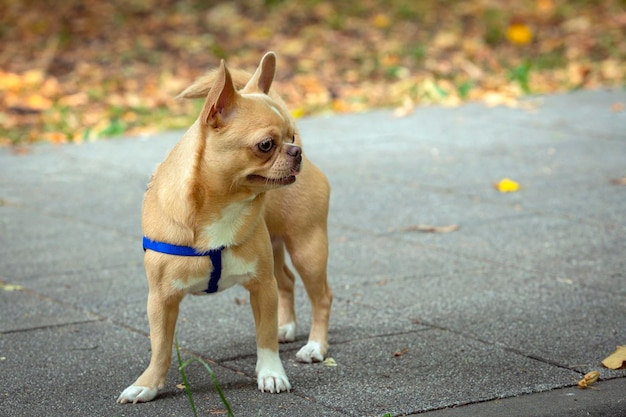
<point x="234" y="271"/>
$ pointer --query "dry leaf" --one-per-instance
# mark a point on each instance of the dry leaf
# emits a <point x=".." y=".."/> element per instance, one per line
<point x="618" y="181"/>
<point x="180" y="386"/>
<point x="588" y="379"/>
<point x="330" y="362"/>
<point x="381" y="21"/>
<point x="506" y="185"/>
<point x="519" y="34"/>
<point x="44" y="88"/>
<point x="297" y="112"/>
<point x="426" y="228"/>
<point x="405" y="109"/>
<point x="400" y="352"/>
<point x="10" y="287"/>
<point x="617" y="359"/>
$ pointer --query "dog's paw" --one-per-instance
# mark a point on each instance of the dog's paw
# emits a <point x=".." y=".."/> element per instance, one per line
<point x="273" y="383"/>
<point x="271" y="375"/>
<point x="136" y="394"/>
<point x="311" y="352"/>
<point x="287" y="332"/>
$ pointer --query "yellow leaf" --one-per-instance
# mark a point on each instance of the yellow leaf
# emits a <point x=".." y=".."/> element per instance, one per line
<point x="10" y="287"/>
<point x="616" y="359"/>
<point x="297" y="113"/>
<point x="330" y="362"/>
<point x="10" y="81"/>
<point x="38" y="102"/>
<point x="588" y="379"/>
<point x="426" y="228"/>
<point x="33" y="77"/>
<point x="519" y="34"/>
<point x="507" y="185"/>
<point x="381" y="21"/>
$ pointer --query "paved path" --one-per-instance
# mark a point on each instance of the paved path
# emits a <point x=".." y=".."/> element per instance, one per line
<point x="526" y="297"/>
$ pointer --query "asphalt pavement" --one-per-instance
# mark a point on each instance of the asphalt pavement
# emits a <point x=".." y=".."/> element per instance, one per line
<point x="500" y="316"/>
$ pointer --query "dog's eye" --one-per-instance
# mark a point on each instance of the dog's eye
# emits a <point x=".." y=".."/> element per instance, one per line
<point x="266" y="145"/>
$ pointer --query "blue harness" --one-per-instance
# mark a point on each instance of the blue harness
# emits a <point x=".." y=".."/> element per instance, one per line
<point x="214" y="254"/>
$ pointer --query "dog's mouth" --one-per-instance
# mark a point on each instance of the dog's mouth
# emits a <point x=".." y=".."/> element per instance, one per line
<point x="290" y="179"/>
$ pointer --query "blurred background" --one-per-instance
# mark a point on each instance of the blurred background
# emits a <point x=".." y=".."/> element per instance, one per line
<point x="77" y="70"/>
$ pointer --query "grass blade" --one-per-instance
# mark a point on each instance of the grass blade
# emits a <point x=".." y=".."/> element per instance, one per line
<point x="181" y="367"/>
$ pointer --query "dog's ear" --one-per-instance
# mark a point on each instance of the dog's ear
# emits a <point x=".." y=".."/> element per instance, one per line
<point x="262" y="79"/>
<point x="200" y="88"/>
<point x="220" y="99"/>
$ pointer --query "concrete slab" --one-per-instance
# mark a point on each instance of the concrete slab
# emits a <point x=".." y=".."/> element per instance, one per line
<point x="25" y="310"/>
<point x="407" y="373"/>
<point x="35" y="243"/>
<point x="540" y="317"/>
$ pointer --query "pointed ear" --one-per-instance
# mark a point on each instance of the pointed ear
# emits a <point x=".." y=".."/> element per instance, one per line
<point x="220" y="99"/>
<point x="262" y="79"/>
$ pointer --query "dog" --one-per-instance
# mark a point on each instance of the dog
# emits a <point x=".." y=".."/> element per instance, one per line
<point x="221" y="209"/>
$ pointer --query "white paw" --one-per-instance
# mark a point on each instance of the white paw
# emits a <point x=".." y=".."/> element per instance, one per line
<point x="271" y="375"/>
<point x="273" y="383"/>
<point x="135" y="394"/>
<point x="311" y="352"/>
<point x="287" y="332"/>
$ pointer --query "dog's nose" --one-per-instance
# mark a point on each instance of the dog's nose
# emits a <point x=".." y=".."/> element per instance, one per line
<point x="294" y="151"/>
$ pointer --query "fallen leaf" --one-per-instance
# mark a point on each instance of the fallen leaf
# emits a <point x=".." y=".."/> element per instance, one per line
<point x="617" y="107"/>
<point x="426" y="228"/>
<point x="297" y="112"/>
<point x="330" y="362"/>
<point x="519" y="34"/>
<point x="241" y="301"/>
<point x="405" y="109"/>
<point x="588" y="379"/>
<point x="381" y="21"/>
<point x="10" y="81"/>
<point x="10" y="287"/>
<point x="400" y="352"/>
<point x="617" y="359"/>
<point x="506" y="185"/>
<point x="38" y="102"/>
<point x="618" y="181"/>
<point x="180" y="386"/>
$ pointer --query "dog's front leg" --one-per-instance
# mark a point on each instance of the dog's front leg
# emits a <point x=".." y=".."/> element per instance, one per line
<point x="162" y="315"/>
<point x="271" y="375"/>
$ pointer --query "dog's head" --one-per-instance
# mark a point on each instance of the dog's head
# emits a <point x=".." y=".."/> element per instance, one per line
<point x="248" y="135"/>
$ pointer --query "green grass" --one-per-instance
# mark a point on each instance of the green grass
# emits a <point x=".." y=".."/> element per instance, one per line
<point x="181" y="367"/>
<point x="521" y="74"/>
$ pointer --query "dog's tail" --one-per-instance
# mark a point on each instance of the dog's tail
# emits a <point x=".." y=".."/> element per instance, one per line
<point x="201" y="87"/>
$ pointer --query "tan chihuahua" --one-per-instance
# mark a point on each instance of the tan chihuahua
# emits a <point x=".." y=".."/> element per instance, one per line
<point x="217" y="213"/>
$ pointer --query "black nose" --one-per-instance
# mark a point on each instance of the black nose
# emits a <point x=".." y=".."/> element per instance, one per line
<point x="294" y="151"/>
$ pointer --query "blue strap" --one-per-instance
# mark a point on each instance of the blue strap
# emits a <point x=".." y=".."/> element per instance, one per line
<point x="214" y="254"/>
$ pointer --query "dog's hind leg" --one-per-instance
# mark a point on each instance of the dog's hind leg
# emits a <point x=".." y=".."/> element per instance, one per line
<point x="309" y="254"/>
